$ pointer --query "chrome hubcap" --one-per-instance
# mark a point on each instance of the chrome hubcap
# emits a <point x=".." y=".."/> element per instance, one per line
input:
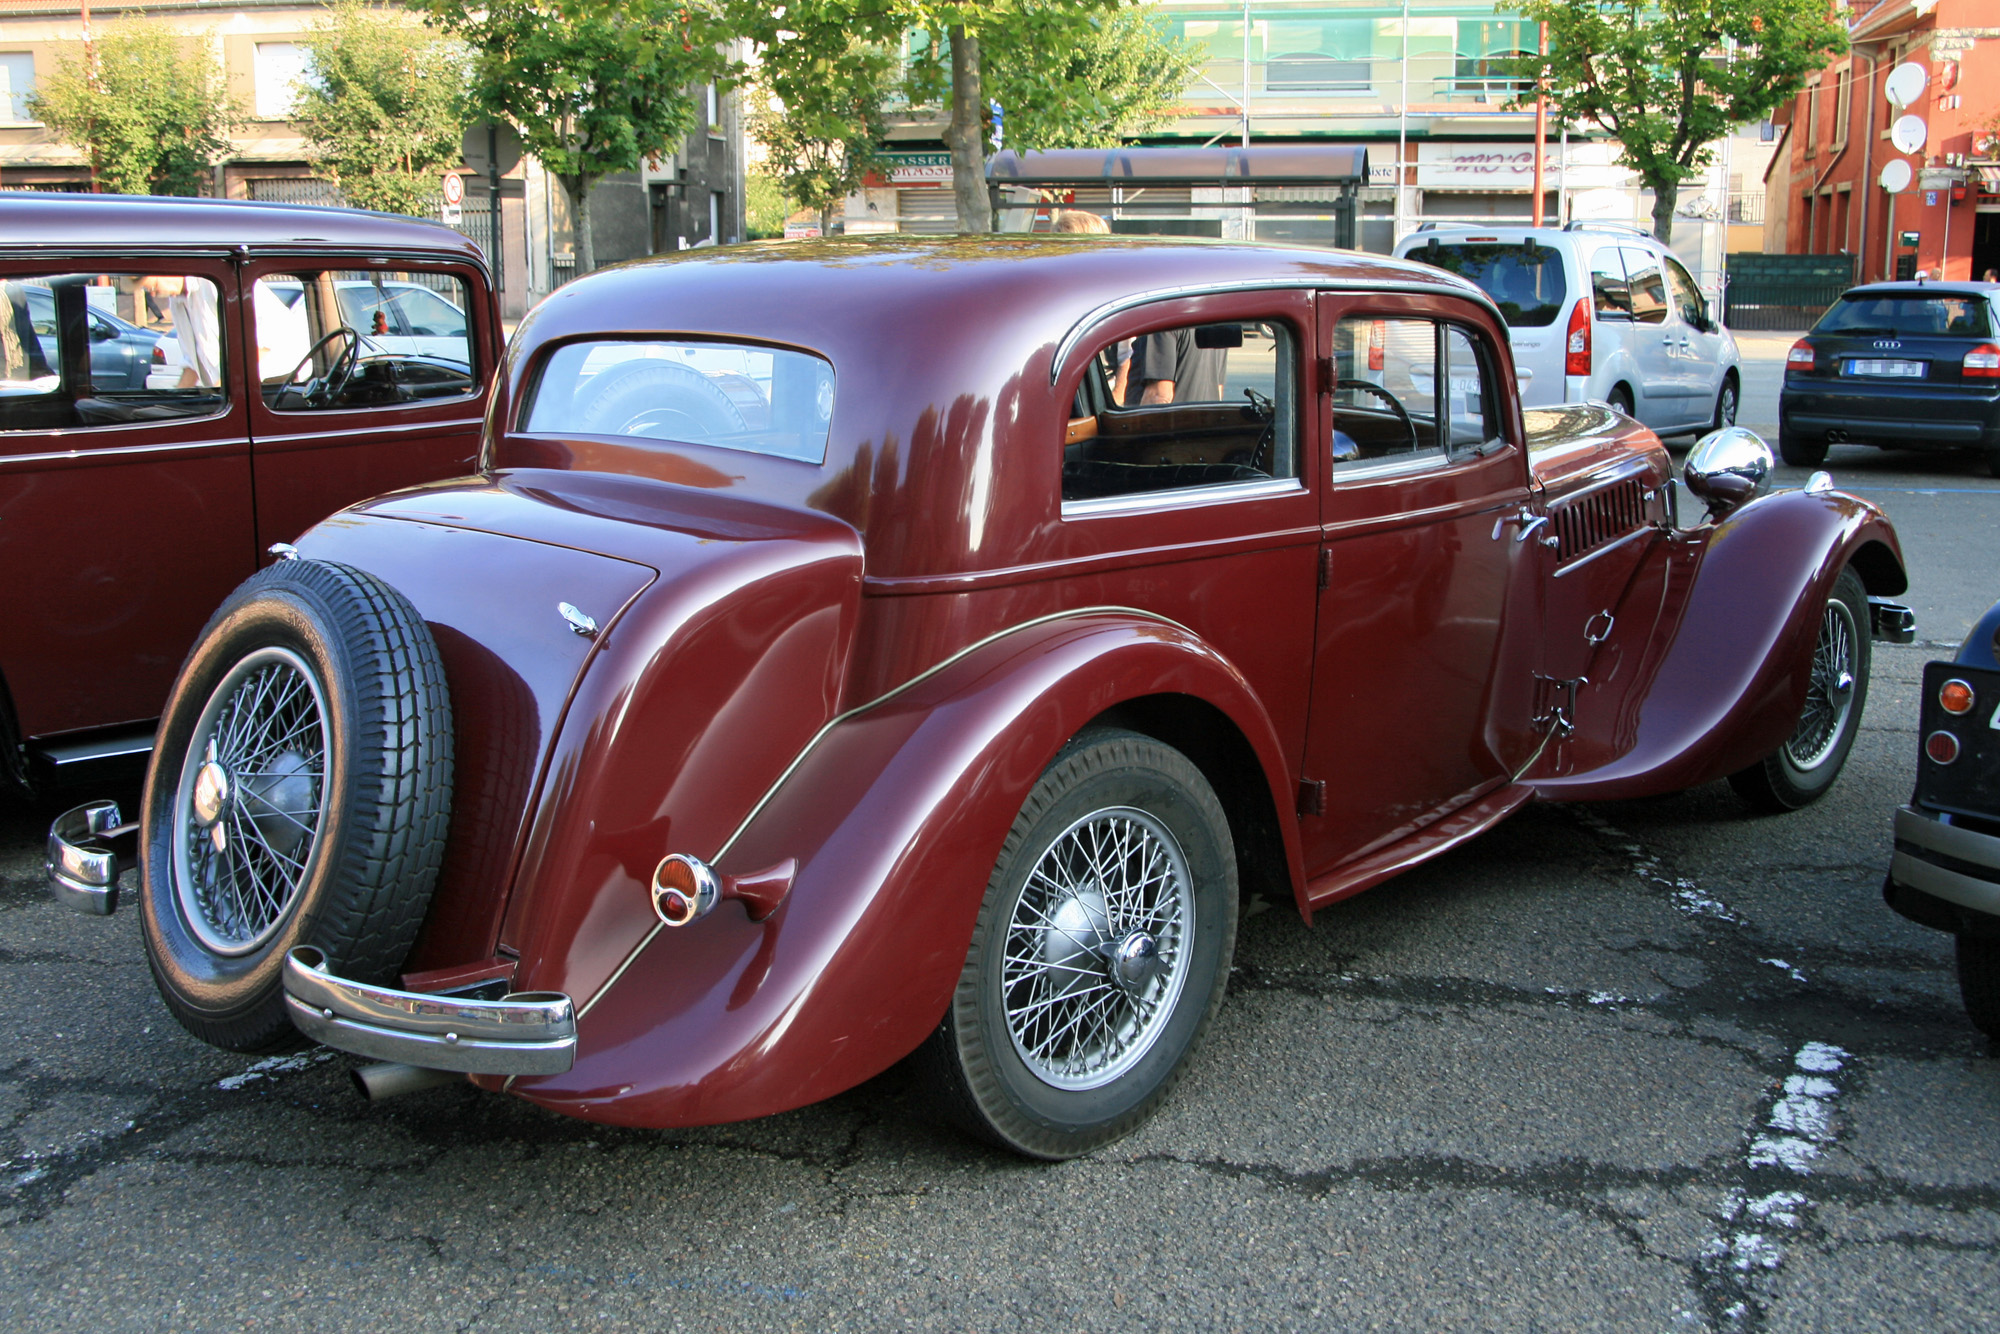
<point x="1096" y="953"/>
<point x="248" y="815"/>
<point x="1830" y="697"/>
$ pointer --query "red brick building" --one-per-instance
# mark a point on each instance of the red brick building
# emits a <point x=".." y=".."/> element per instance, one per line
<point x="1838" y="143"/>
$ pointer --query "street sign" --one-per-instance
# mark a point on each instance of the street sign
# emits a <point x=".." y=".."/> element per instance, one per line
<point x="476" y="143"/>
<point x="454" y="189"/>
<point x="1930" y="198"/>
<point x="450" y="214"/>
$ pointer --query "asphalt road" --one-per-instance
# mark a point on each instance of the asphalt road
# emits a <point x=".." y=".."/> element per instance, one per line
<point x="1658" y="1065"/>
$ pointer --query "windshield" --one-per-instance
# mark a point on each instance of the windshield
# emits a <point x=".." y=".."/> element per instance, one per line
<point x="764" y="400"/>
<point x="1525" y="280"/>
<point x="1950" y="315"/>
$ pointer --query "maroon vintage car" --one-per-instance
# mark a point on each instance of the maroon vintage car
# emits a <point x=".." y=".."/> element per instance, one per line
<point x="184" y="383"/>
<point x="885" y="646"/>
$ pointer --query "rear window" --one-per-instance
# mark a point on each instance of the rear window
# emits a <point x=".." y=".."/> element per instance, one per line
<point x="760" y="399"/>
<point x="1525" y="281"/>
<point x="1909" y="315"/>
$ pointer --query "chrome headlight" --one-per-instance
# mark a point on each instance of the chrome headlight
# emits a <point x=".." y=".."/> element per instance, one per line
<point x="1728" y="468"/>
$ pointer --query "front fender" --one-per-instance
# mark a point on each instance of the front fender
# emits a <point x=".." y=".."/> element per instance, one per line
<point x="1719" y="663"/>
<point x="895" y="816"/>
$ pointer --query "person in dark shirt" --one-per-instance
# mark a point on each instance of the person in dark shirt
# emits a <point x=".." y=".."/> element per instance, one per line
<point x="1169" y="368"/>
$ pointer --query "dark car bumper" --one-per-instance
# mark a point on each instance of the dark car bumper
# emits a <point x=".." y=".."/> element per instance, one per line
<point x="1891" y="414"/>
<point x="1945" y="876"/>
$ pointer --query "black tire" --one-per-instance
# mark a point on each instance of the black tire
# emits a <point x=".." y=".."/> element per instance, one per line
<point x="1621" y="398"/>
<point x="1056" y="1099"/>
<point x="1800" y="452"/>
<point x="1979" y="982"/>
<point x="323" y="685"/>
<point x="1993" y="461"/>
<point x="1727" y="400"/>
<point x="1804" y="767"/>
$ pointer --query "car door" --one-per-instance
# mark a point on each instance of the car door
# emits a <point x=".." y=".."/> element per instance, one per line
<point x="1422" y="677"/>
<point x="1697" y="344"/>
<point x="1660" y="396"/>
<point x="343" y="412"/>
<point x="125" y="513"/>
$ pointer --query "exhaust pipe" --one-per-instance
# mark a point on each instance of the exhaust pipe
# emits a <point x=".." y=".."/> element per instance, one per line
<point x="386" y="1079"/>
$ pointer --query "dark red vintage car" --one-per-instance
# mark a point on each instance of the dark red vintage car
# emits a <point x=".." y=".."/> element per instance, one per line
<point x="848" y="651"/>
<point x="184" y="383"/>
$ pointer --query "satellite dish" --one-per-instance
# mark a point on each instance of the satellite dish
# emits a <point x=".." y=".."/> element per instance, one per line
<point x="1906" y="83"/>
<point x="1908" y="133"/>
<point x="1895" y="176"/>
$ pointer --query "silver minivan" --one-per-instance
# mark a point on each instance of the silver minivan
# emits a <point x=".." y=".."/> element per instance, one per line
<point x="1598" y="311"/>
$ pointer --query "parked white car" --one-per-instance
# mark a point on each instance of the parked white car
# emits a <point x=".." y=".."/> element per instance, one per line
<point x="1598" y="311"/>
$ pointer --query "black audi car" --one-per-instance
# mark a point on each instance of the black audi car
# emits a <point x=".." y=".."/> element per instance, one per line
<point x="1911" y="365"/>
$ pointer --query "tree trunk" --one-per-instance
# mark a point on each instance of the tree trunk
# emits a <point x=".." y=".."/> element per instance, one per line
<point x="826" y="219"/>
<point x="1665" y="195"/>
<point x="578" y="190"/>
<point x="967" y="135"/>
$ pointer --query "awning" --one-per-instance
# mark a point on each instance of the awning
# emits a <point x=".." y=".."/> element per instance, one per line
<point x="1989" y="179"/>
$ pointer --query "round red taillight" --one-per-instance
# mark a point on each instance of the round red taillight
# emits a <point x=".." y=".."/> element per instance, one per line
<point x="1956" y="697"/>
<point x="1942" y="747"/>
<point x="683" y="889"/>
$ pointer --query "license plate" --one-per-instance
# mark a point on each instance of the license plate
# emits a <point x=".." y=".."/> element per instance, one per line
<point x="1911" y="369"/>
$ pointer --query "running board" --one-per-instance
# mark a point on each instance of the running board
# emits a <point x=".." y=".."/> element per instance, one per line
<point x="1463" y="824"/>
<point x="64" y="759"/>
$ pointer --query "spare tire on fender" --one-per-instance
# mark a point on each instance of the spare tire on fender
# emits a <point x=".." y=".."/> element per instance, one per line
<point x="299" y="794"/>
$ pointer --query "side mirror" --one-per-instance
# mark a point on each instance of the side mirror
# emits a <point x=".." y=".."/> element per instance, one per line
<point x="1728" y="468"/>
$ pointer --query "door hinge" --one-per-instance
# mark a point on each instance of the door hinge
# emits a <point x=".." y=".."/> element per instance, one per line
<point x="1312" y="796"/>
<point x="1323" y="372"/>
<point x="1325" y="568"/>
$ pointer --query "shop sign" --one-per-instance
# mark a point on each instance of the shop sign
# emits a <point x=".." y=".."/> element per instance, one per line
<point x="1500" y="166"/>
<point x="920" y="169"/>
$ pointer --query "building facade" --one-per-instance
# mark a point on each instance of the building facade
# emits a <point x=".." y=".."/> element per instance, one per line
<point x="1860" y="128"/>
<point x="690" y="196"/>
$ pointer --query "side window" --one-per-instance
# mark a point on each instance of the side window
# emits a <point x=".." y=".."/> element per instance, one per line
<point x="375" y="338"/>
<point x="1687" y="297"/>
<point x="1202" y="406"/>
<point x="1611" y="291"/>
<point x="1386" y="390"/>
<point x="1469" y="404"/>
<point x="108" y="349"/>
<point x="1649" y="288"/>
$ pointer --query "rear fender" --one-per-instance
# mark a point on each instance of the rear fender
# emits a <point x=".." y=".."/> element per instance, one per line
<point x="894" y="817"/>
<point x="1710" y="656"/>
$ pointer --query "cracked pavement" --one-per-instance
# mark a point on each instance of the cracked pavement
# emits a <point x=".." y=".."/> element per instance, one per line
<point x="1657" y="1065"/>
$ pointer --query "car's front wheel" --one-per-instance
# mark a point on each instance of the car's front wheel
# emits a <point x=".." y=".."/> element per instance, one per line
<point x="1100" y="952"/>
<point x="298" y="795"/>
<point x="1804" y="767"/>
<point x="1725" y="404"/>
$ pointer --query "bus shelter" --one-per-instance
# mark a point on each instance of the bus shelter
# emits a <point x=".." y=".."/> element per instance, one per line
<point x="1274" y="192"/>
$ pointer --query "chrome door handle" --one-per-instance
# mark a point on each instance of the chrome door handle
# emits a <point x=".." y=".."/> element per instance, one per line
<point x="1529" y="523"/>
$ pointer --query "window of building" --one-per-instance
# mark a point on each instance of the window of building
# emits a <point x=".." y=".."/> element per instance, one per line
<point x="17" y="83"/>
<point x="1331" y="56"/>
<point x="279" y="71"/>
<point x="1810" y="130"/>
<point x="1485" y="53"/>
<point x="1843" y="88"/>
<point x="1207" y="405"/>
<point x="105" y="349"/>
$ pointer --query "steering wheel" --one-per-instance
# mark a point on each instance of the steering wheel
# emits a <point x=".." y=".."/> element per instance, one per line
<point x="1395" y="406"/>
<point x="322" y="389"/>
<point x="1268" y="414"/>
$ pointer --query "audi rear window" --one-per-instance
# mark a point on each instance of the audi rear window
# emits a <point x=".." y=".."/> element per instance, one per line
<point x="759" y="399"/>
<point x="1946" y="315"/>
<point x="1525" y="281"/>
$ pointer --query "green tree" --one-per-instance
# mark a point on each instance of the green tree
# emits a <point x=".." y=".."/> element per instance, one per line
<point x="824" y="70"/>
<point x="1118" y="78"/>
<point x="1660" y="74"/>
<point x="151" y="115"/>
<point x="765" y="206"/>
<point x="384" y="106"/>
<point x="594" y="87"/>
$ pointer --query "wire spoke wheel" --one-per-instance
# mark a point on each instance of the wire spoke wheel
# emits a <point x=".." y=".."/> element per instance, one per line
<point x="248" y="814"/>
<point x="1096" y="951"/>
<point x="1830" y="698"/>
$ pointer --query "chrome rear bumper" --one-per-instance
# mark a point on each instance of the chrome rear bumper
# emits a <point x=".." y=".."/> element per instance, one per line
<point x="528" y="1033"/>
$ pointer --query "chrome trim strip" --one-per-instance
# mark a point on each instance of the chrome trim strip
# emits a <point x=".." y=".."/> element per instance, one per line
<point x="1186" y="497"/>
<point x="1604" y="550"/>
<point x="836" y="721"/>
<point x="122" y="451"/>
<point x="528" y="1033"/>
<point x="1444" y="284"/>
<point x="1371" y="470"/>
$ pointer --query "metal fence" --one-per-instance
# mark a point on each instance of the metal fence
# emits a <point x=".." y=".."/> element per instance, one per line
<point x="1783" y="292"/>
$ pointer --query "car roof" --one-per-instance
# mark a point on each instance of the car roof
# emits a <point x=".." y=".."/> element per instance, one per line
<point x="143" y="224"/>
<point x="1452" y="232"/>
<point x="1926" y="288"/>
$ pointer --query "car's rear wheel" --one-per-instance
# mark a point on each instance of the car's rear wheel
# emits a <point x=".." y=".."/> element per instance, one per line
<point x="299" y="794"/>
<point x="1621" y="398"/>
<point x="1979" y="982"/>
<point x="1798" y="451"/>
<point x="1100" y="952"/>
<point x="1804" y="767"/>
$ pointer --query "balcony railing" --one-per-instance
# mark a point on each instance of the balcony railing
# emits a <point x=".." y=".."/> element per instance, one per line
<point x="1747" y="206"/>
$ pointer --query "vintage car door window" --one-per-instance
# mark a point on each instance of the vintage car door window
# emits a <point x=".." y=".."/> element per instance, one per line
<point x="378" y="338"/>
<point x="1202" y="406"/>
<point x="1385" y="396"/>
<point x="764" y="400"/>
<point x="1469" y="406"/>
<point x="90" y="349"/>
